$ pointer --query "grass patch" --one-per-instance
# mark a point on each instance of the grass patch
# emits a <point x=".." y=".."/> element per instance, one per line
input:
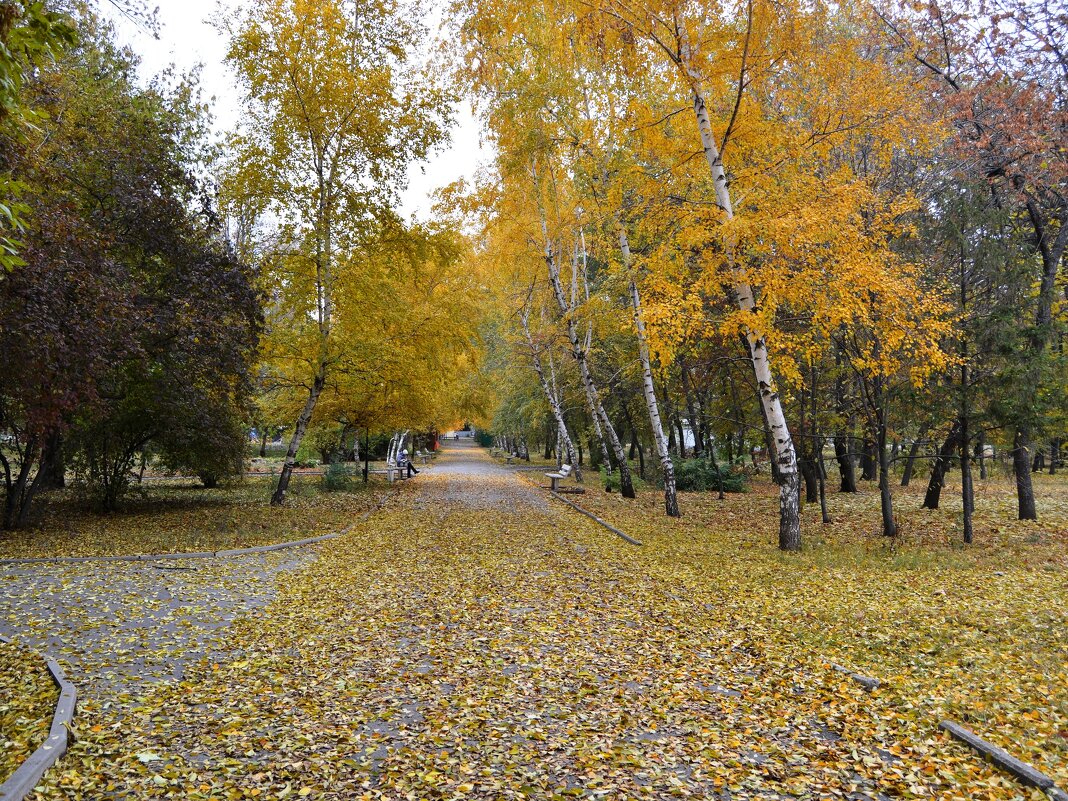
<point x="177" y="517"/>
<point x="974" y="633"/>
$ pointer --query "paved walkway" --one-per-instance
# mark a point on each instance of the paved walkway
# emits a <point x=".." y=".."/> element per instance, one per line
<point x="120" y="627"/>
<point x="473" y="639"/>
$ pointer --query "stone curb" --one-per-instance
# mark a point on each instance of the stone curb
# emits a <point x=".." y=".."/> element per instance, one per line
<point x="155" y="557"/>
<point x="595" y="518"/>
<point x="867" y="682"/>
<point x="26" y="777"/>
<point x="1024" y="773"/>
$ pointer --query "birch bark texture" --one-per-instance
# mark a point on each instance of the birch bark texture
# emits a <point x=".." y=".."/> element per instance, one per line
<point x="667" y="467"/>
<point x="602" y="424"/>
<point x="743" y="297"/>
<point x="550" y="394"/>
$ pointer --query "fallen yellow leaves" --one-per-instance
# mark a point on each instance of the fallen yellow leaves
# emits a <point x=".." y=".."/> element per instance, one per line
<point x="27" y="699"/>
<point x="173" y="517"/>
<point x="472" y="641"/>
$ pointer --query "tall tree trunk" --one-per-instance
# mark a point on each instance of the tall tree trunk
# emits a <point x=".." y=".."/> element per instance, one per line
<point x="818" y="442"/>
<point x="868" y="461"/>
<point x="635" y="441"/>
<point x="743" y="297"/>
<point x="845" y="464"/>
<point x="719" y="473"/>
<point x="550" y="396"/>
<point x="53" y="465"/>
<point x="809" y="470"/>
<point x="910" y="462"/>
<point x="1025" y="493"/>
<point x="1054" y="455"/>
<point x="667" y="467"/>
<point x="980" y="452"/>
<point x="941" y="465"/>
<point x="842" y="454"/>
<point x="1038" y="464"/>
<point x="967" y="496"/>
<point x="886" y="501"/>
<point x="298" y="435"/>
<point x="602" y="424"/>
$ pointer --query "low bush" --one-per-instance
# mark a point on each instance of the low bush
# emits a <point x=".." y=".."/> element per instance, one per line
<point x="611" y="481"/>
<point x="700" y="475"/>
<point x="337" y="478"/>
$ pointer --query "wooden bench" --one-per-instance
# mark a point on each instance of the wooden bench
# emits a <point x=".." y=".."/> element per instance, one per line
<point x="556" y="478"/>
<point x="392" y="473"/>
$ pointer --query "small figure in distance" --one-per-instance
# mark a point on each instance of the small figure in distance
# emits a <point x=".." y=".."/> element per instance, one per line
<point x="403" y="461"/>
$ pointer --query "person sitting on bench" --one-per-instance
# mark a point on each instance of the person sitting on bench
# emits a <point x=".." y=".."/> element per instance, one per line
<point x="403" y="461"/>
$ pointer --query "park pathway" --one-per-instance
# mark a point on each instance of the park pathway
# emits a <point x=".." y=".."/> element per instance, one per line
<point x="120" y="627"/>
<point x="474" y="639"/>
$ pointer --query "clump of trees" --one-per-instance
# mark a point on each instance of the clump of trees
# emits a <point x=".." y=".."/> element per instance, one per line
<point x="368" y="321"/>
<point x="128" y="325"/>
<point x="779" y="226"/>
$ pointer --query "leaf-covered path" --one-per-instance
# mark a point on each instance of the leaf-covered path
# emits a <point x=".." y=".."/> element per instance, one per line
<point x="120" y="627"/>
<point x="472" y="640"/>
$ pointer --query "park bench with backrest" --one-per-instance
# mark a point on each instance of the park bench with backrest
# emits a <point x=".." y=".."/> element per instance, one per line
<point x="559" y="476"/>
<point x="391" y="472"/>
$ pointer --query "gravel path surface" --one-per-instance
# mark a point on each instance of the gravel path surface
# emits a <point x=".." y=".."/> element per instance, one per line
<point x="474" y="639"/>
<point x="118" y="627"/>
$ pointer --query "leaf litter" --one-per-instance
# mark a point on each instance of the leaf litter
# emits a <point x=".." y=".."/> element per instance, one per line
<point x="471" y="641"/>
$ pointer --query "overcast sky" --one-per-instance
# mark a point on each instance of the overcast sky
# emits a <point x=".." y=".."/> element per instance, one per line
<point x="187" y="38"/>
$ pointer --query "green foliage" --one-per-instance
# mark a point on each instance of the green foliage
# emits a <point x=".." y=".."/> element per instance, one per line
<point x="337" y="478"/>
<point x="307" y="454"/>
<point x="700" y="475"/>
<point x="30" y="36"/>
<point x="611" y="480"/>
<point x="212" y="452"/>
<point x="130" y="325"/>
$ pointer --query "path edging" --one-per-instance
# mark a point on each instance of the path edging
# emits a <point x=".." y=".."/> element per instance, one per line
<point x="595" y="518"/>
<point x="27" y="775"/>
<point x="1022" y="771"/>
<point x="156" y="557"/>
<point x="867" y="682"/>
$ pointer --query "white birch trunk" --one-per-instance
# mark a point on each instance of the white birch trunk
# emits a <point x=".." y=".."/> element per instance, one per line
<point x="593" y="401"/>
<point x="742" y="296"/>
<point x="667" y="467"/>
<point x="550" y="396"/>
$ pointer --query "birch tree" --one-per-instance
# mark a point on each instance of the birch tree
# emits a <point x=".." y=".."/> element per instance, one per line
<point x="333" y="116"/>
<point x="548" y="386"/>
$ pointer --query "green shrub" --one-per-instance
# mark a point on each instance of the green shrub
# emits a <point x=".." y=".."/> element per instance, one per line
<point x="611" y="481"/>
<point x="336" y="478"/>
<point x="699" y="475"/>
